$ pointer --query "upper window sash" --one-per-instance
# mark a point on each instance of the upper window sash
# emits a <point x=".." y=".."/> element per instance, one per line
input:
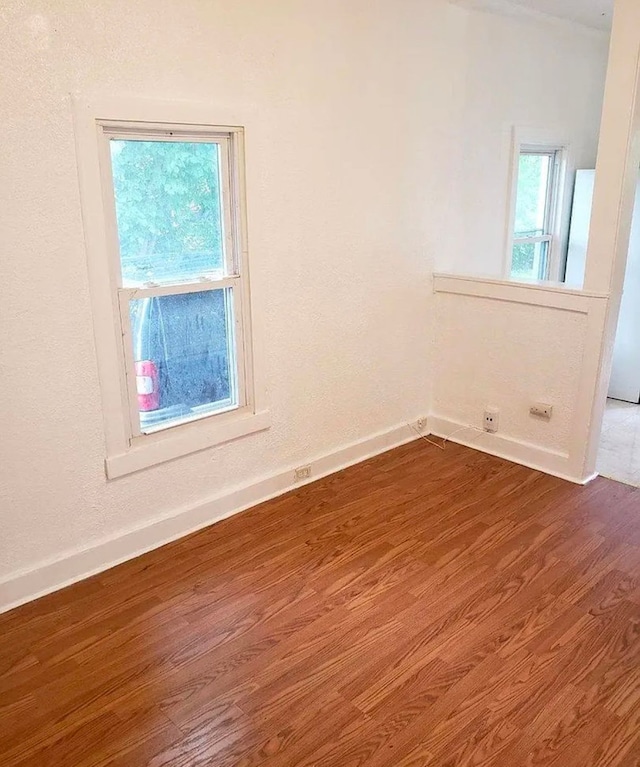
<point x="231" y="234"/>
<point x="554" y="154"/>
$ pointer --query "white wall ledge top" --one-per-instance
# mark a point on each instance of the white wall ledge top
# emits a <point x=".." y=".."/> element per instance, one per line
<point x="543" y="293"/>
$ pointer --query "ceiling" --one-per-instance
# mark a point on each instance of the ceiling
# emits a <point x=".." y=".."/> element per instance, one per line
<point x="596" y="14"/>
<point x="592" y="13"/>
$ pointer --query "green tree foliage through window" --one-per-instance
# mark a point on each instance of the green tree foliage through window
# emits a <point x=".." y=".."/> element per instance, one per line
<point x="529" y="259"/>
<point x="167" y="197"/>
<point x="533" y="183"/>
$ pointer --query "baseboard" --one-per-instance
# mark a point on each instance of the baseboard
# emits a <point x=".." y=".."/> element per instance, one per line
<point x="535" y="457"/>
<point x="76" y="565"/>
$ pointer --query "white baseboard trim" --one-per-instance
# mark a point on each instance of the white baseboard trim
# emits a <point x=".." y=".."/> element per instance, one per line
<point x="78" y="564"/>
<point x="517" y="451"/>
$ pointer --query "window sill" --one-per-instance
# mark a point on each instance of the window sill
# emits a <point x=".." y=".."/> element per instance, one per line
<point x="172" y="444"/>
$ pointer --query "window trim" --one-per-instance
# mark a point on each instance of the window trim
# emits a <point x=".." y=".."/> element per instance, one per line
<point x="544" y="142"/>
<point x="126" y="452"/>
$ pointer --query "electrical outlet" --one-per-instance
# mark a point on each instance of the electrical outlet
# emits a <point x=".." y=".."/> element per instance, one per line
<point x="421" y="424"/>
<point x="491" y="419"/>
<point x="302" y="472"/>
<point x="541" y="410"/>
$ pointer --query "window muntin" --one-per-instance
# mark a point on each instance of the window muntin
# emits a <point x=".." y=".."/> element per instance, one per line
<point x="538" y="178"/>
<point x="176" y="237"/>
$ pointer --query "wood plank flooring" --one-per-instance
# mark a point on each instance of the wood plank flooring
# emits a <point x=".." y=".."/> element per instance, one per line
<point x="424" y="608"/>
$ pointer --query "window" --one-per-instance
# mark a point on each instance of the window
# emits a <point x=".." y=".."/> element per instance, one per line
<point x="176" y="259"/>
<point x="534" y="235"/>
<point x="179" y="282"/>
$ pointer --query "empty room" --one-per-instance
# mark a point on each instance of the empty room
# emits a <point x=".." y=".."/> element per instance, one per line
<point x="311" y="324"/>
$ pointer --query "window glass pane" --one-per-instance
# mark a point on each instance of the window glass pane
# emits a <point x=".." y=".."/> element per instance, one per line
<point x="184" y="356"/>
<point x="532" y="195"/>
<point x="168" y="210"/>
<point x="529" y="261"/>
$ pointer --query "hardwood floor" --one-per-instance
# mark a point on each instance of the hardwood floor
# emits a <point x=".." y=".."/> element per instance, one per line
<point x="424" y="608"/>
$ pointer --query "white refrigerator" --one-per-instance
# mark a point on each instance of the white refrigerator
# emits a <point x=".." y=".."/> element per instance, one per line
<point x="625" y="374"/>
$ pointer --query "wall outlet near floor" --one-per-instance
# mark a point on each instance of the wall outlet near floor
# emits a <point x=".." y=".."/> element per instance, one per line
<point x="491" y="419"/>
<point x="541" y="410"/>
<point x="302" y="472"/>
<point x="421" y="424"/>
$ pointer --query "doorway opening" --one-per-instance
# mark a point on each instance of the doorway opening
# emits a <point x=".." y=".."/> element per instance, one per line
<point x="619" y="447"/>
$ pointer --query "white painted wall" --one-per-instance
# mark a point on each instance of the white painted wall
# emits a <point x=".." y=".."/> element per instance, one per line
<point x="534" y="350"/>
<point x="354" y="190"/>
<point x="351" y="141"/>
<point x="507" y="345"/>
<point x="478" y="371"/>
<point x="531" y="74"/>
<point x="614" y="198"/>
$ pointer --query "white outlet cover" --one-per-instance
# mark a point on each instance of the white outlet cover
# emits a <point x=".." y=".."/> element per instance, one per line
<point x="491" y="420"/>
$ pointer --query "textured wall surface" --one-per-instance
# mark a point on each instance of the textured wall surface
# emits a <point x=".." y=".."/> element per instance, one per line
<point x="517" y="73"/>
<point x="354" y="181"/>
<point x="508" y="355"/>
<point x="344" y="168"/>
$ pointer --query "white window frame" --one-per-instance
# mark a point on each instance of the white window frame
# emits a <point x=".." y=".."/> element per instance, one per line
<point x="127" y="448"/>
<point x="540" y="142"/>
